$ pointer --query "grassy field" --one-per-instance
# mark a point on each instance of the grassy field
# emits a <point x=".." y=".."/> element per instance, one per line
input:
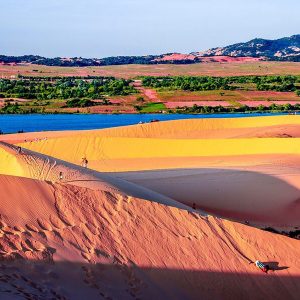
<point x="178" y="98"/>
<point x="222" y="95"/>
<point x="153" y="108"/>
<point x="133" y="71"/>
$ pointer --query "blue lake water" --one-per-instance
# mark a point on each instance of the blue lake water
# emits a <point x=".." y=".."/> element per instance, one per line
<point x="40" y="122"/>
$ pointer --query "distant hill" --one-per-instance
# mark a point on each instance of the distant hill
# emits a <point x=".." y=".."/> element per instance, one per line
<point x="284" y="49"/>
<point x="287" y="49"/>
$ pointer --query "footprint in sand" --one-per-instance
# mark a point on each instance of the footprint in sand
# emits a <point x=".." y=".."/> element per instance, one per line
<point x="14" y="242"/>
<point x="102" y="253"/>
<point x="8" y="230"/>
<point x="5" y="248"/>
<point x="88" y="235"/>
<point x="25" y="247"/>
<point x="92" y="228"/>
<point x="67" y="220"/>
<point x="2" y="224"/>
<point x="86" y="256"/>
<point x="56" y="222"/>
<point x="58" y="235"/>
<point x="19" y="229"/>
<point x="36" y="245"/>
<point x="45" y="225"/>
<point x="31" y="228"/>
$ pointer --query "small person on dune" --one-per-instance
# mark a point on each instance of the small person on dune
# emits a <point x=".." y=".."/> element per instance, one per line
<point x="84" y="162"/>
<point x="61" y="176"/>
<point x="19" y="150"/>
<point x="264" y="268"/>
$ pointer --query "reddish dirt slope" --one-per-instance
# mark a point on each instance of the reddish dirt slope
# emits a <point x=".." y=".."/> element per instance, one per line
<point x="229" y="59"/>
<point x="176" y="57"/>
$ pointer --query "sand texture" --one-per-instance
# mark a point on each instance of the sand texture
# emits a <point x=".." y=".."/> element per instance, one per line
<point x="167" y="210"/>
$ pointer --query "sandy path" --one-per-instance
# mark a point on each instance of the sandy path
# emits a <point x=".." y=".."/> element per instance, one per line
<point x="150" y="94"/>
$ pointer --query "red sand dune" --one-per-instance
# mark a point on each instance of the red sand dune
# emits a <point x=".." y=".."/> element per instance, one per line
<point x="71" y="242"/>
<point x="125" y="235"/>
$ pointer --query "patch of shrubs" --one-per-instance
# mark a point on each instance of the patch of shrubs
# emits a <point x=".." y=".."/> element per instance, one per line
<point x="77" y="102"/>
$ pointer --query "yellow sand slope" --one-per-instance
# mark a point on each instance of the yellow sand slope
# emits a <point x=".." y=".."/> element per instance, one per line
<point x="141" y="146"/>
<point x="249" y="179"/>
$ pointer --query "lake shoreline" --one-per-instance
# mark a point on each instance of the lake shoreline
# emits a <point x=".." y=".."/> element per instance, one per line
<point x="14" y="123"/>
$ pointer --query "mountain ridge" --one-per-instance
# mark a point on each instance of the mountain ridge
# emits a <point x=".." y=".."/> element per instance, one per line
<point x="283" y="49"/>
<point x="287" y="48"/>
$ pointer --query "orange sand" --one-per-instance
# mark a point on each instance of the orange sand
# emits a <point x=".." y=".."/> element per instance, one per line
<point x="76" y="243"/>
<point x="129" y="232"/>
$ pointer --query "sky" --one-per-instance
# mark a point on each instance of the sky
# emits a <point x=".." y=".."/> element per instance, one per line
<point x="101" y="28"/>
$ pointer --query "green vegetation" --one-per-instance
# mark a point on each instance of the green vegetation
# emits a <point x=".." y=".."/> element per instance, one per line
<point x="11" y="108"/>
<point x="277" y="83"/>
<point x="65" y="88"/>
<point x="80" y="61"/>
<point x="208" y="83"/>
<point x="203" y="83"/>
<point x="59" y="94"/>
<point x="242" y="109"/>
<point x="76" y="102"/>
<point x="140" y="99"/>
<point x="151" y="108"/>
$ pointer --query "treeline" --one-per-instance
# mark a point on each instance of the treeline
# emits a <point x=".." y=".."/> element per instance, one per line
<point x="65" y="88"/>
<point x="206" y="83"/>
<point x="277" y="83"/>
<point x="187" y="83"/>
<point x="53" y="78"/>
<point x="221" y="109"/>
<point x="87" y="62"/>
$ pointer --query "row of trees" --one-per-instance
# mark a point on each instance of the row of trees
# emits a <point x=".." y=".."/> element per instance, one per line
<point x="221" y="109"/>
<point x="80" y="61"/>
<point x="205" y="83"/>
<point x="65" y="88"/>
<point x="277" y="83"/>
<point x="187" y="83"/>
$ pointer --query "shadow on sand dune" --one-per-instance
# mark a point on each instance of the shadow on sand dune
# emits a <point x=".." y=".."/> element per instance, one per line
<point x="274" y="266"/>
<point x="246" y="196"/>
<point x="61" y="280"/>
